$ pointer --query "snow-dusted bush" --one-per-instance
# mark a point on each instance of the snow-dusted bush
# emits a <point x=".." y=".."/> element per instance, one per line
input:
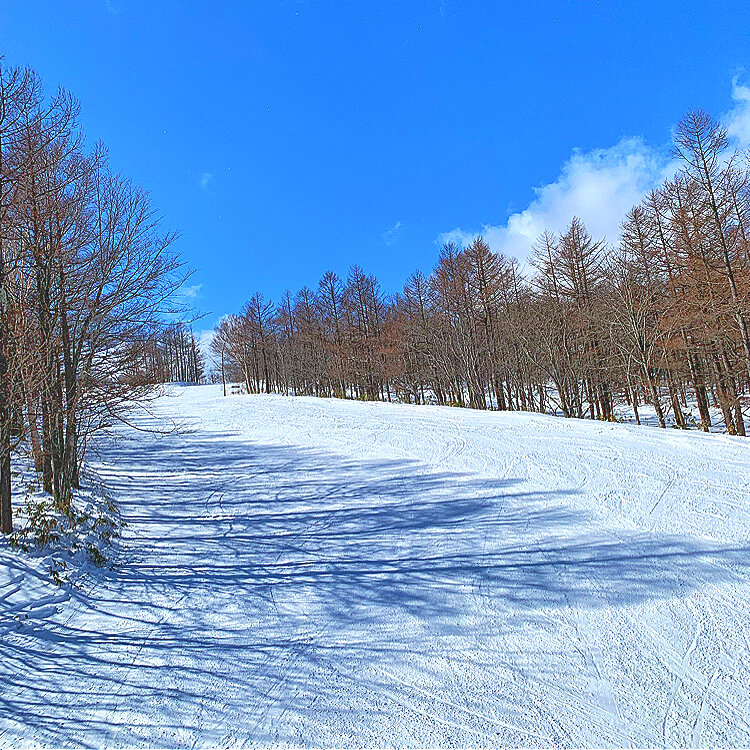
<point x="72" y="538"/>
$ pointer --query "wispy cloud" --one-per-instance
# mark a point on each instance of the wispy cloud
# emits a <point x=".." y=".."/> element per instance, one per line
<point x="390" y="236"/>
<point x="205" y="180"/>
<point x="191" y="292"/>
<point x="599" y="186"/>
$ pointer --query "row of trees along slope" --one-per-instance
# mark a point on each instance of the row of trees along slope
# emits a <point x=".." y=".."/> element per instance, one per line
<point x="86" y="277"/>
<point x="661" y="318"/>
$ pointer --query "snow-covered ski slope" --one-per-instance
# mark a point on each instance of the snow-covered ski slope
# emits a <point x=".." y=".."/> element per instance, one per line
<point x="315" y="572"/>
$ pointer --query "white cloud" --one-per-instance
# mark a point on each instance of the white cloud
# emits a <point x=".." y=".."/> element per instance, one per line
<point x="205" y="338"/>
<point x="205" y="180"/>
<point x="598" y="186"/>
<point x="737" y="120"/>
<point x="457" y="236"/>
<point x="391" y="236"/>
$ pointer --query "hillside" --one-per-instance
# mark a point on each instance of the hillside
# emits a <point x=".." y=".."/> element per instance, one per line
<point x="318" y="572"/>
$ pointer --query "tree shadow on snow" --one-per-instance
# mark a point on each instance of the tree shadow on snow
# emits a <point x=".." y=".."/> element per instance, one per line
<point x="255" y="569"/>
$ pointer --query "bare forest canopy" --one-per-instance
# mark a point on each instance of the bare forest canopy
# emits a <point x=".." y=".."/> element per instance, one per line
<point x="660" y="318"/>
<point x="87" y="279"/>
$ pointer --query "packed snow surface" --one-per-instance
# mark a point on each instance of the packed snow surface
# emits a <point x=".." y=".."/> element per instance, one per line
<point x="305" y="572"/>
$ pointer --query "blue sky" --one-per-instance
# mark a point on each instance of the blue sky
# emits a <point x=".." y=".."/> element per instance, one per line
<point x="286" y="138"/>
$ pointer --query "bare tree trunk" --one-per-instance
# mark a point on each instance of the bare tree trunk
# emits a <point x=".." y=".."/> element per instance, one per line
<point x="6" y="508"/>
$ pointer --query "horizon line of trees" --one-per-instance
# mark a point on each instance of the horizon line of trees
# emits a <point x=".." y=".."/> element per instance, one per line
<point x="86" y="280"/>
<point x="661" y="318"/>
<point x="172" y="354"/>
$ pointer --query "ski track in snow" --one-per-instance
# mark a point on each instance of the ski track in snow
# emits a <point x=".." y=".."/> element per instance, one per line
<point x="309" y="572"/>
